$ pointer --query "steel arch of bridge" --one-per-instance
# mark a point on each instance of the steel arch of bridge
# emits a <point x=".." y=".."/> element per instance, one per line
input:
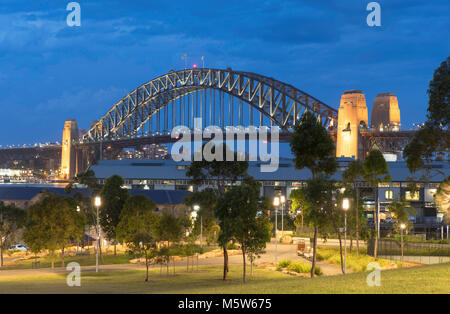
<point x="281" y="103"/>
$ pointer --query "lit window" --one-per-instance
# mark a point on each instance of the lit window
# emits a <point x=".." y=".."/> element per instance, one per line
<point x="388" y="194"/>
<point x="412" y="196"/>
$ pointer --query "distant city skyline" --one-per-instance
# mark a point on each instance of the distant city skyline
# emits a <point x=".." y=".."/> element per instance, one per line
<point x="51" y="72"/>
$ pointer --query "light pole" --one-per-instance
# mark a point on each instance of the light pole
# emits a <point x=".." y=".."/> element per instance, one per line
<point x="345" y="207"/>
<point x="98" y="202"/>
<point x="276" y="203"/>
<point x="402" y="227"/>
<point x="283" y="201"/>
<point x="196" y="209"/>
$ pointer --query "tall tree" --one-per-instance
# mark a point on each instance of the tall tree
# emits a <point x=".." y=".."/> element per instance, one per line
<point x="113" y="197"/>
<point x="351" y="175"/>
<point x="52" y="223"/>
<point x="314" y="149"/>
<point x="220" y="171"/>
<point x="238" y="211"/>
<point x="137" y="227"/>
<point x="434" y="135"/>
<point x="375" y="171"/>
<point x="12" y="220"/>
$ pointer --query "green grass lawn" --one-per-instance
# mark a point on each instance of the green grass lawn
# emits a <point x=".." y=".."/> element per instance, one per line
<point x="423" y="279"/>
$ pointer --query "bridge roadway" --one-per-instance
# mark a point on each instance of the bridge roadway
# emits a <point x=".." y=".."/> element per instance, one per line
<point x="387" y="141"/>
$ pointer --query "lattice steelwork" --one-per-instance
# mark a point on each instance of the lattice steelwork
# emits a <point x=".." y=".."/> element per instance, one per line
<point x="216" y="96"/>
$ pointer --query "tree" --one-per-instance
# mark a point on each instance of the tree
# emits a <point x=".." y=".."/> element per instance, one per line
<point x="113" y="197"/>
<point x="203" y="172"/>
<point x="12" y="220"/>
<point x="52" y="223"/>
<point x="314" y="149"/>
<point x="169" y="229"/>
<point x="350" y="176"/>
<point x="86" y="178"/>
<point x="238" y="211"/>
<point x="375" y="171"/>
<point x="434" y="135"/>
<point x="137" y="227"/>
<point x="297" y="197"/>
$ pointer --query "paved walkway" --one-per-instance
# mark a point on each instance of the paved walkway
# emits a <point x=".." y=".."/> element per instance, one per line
<point x="283" y="251"/>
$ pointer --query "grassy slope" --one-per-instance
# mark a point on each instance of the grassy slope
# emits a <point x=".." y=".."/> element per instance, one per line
<point x="424" y="279"/>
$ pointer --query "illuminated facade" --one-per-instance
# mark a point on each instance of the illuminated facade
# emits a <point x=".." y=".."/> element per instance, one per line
<point x="68" y="164"/>
<point x="385" y="114"/>
<point x="352" y="118"/>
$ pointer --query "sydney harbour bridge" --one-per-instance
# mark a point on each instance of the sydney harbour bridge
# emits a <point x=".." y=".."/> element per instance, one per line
<point x="220" y="97"/>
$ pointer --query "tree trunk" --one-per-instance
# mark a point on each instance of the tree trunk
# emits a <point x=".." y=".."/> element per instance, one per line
<point x="1" y="250"/>
<point x="243" y="256"/>
<point x="357" y="220"/>
<point x="225" y="262"/>
<point x="351" y="239"/>
<point x="62" y="257"/>
<point x="146" y="266"/>
<point x="115" y="249"/>
<point x="167" y="265"/>
<point x="173" y="263"/>
<point x="375" y="219"/>
<point x="340" y="251"/>
<point x="313" y="265"/>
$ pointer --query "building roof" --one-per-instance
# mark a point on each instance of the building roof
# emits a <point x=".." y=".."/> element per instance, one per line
<point x="28" y="192"/>
<point x="171" y="170"/>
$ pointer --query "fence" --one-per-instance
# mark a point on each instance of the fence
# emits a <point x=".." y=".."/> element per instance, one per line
<point x="421" y="252"/>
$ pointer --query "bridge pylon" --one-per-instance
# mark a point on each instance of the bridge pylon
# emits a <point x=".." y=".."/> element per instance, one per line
<point x="68" y="152"/>
<point x="352" y="118"/>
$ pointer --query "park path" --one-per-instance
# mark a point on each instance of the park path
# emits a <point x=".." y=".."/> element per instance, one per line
<point x="283" y="251"/>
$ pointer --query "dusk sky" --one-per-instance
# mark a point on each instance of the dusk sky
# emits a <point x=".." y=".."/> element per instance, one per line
<point x="50" y="72"/>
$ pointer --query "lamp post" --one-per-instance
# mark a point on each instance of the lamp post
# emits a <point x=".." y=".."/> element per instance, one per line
<point x="402" y="227"/>
<point x="283" y="202"/>
<point x="196" y="209"/>
<point x="98" y="202"/>
<point x="345" y="207"/>
<point x="276" y="203"/>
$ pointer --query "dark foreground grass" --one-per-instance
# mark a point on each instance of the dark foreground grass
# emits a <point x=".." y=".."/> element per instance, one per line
<point x="423" y="279"/>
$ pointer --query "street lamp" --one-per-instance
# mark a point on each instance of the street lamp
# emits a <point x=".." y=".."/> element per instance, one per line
<point x="276" y="203"/>
<point x="345" y="207"/>
<point x="402" y="227"/>
<point x="283" y="202"/>
<point x="98" y="202"/>
<point x="196" y="209"/>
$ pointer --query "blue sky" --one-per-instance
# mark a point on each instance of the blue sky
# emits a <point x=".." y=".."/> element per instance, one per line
<point x="50" y="72"/>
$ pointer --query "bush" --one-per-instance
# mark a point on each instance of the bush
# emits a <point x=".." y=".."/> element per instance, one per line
<point x="304" y="268"/>
<point x="284" y="263"/>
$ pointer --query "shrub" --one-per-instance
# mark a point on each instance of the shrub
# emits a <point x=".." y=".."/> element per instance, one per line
<point x="284" y="263"/>
<point x="304" y="268"/>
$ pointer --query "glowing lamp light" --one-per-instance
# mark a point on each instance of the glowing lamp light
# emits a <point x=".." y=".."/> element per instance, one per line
<point x="98" y="201"/>
<point x="276" y="201"/>
<point x="282" y="199"/>
<point x="196" y="207"/>
<point x="402" y="226"/>
<point x="345" y="204"/>
<point x="194" y="66"/>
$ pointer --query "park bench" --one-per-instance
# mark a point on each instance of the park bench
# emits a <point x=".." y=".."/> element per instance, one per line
<point x="303" y="250"/>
